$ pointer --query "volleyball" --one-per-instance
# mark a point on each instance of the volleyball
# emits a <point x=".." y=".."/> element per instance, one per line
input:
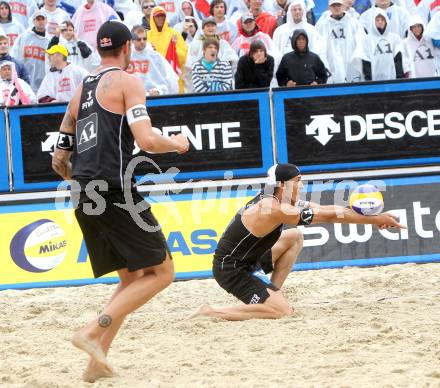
<point x="39" y="246"/>
<point x="366" y="200"/>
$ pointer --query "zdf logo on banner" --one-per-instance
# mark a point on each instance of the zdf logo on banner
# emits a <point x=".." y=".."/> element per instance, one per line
<point x="375" y="126"/>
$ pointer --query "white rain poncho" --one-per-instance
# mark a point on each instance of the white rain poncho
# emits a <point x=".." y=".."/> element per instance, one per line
<point x="275" y="8"/>
<point x="154" y="71"/>
<point x="30" y="49"/>
<point x="427" y="9"/>
<point x="419" y="54"/>
<point x="12" y="30"/>
<point x="433" y="33"/>
<point x="341" y="37"/>
<point x="61" y="85"/>
<point x="54" y="19"/>
<point x="123" y="6"/>
<point x="380" y="50"/>
<point x="409" y="5"/>
<point x="398" y="19"/>
<point x="90" y="63"/>
<point x="236" y="8"/>
<point x="15" y="91"/>
<point x="22" y="10"/>
<point x="283" y="34"/>
<point x="180" y="16"/>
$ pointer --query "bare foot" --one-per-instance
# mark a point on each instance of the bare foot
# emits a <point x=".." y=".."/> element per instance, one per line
<point x="95" y="372"/>
<point x="203" y="310"/>
<point x="93" y="348"/>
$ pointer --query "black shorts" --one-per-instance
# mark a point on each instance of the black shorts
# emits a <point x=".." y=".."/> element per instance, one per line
<point x="248" y="283"/>
<point x="114" y="241"/>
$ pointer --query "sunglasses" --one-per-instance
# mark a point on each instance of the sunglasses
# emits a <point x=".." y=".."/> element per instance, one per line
<point x="148" y="6"/>
<point x="140" y="39"/>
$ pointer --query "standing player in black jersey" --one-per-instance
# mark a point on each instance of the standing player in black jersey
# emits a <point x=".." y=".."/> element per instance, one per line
<point x="105" y="116"/>
<point x="255" y="244"/>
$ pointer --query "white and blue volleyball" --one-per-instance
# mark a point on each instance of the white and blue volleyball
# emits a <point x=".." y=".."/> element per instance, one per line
<point x="366" y="200"/>
<point x="39" y="247"/>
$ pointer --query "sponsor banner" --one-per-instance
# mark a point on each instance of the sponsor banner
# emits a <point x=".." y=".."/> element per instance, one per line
<point x="227" y="132"/>
<point x="359" y="126"/>
<point x="42" y="245"/>
<point x="4" y="173"/>
<point x="414" y="200"/>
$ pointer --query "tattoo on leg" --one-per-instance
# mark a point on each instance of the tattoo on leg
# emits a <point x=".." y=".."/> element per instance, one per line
<point x="105" y="320"/>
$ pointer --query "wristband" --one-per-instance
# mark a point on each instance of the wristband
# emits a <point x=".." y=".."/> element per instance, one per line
<point x="65" y="141"/>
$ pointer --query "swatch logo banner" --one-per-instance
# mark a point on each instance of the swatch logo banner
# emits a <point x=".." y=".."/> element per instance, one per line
<point x="416" y="205"/>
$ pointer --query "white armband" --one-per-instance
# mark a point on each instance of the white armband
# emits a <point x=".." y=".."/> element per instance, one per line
<point x="137" y="113"/>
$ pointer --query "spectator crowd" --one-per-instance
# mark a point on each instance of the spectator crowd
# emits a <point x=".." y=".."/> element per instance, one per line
<point x="47" y="47"/>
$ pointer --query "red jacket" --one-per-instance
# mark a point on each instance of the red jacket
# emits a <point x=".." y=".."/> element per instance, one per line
<point x="266" y="23"/>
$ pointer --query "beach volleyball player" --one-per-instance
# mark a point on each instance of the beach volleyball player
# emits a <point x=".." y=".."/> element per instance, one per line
<point x="105" y="116"/>
<point x="254" y="244"/>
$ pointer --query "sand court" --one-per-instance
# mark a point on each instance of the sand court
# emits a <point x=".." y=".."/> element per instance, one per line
<point x="352" y="327"/>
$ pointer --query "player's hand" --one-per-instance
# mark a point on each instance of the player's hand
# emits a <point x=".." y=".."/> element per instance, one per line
<point x="291" y="83"/>
<point x="387" y="220"/>
<point x="181" y="142"/>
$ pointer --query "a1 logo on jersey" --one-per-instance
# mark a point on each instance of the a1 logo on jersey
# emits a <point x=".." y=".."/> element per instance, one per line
<point x="87" y="133"/>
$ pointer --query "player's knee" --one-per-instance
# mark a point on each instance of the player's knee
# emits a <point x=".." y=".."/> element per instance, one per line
<point x="296" y="237"/>
<point x="130" y="278"/>
<point x="167" y="276"/>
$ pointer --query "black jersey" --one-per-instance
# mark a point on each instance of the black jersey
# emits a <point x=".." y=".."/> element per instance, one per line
<point x="240" y="246"/>
<point x="104" y="142"/>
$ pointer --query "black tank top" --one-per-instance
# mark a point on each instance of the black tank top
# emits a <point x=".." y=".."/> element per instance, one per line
<point x="238" y="246"/>
<point x="104" y="142"/>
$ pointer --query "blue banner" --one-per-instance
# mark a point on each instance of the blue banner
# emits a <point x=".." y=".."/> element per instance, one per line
<point x="4" y="173"/>
<point x="34" y="131"/>
<point x="358" y="126"/>
<point x="228" y="132"/>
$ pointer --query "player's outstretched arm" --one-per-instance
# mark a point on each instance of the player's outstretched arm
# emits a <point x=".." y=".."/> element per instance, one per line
<point x="316" y="214"/>
<point x="140" y="124"/>
<point x="342" y="215"/>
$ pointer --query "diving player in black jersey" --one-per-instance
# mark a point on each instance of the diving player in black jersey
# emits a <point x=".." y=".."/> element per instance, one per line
<point x="105" y="116"/>
<point x="255" y="244"/>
